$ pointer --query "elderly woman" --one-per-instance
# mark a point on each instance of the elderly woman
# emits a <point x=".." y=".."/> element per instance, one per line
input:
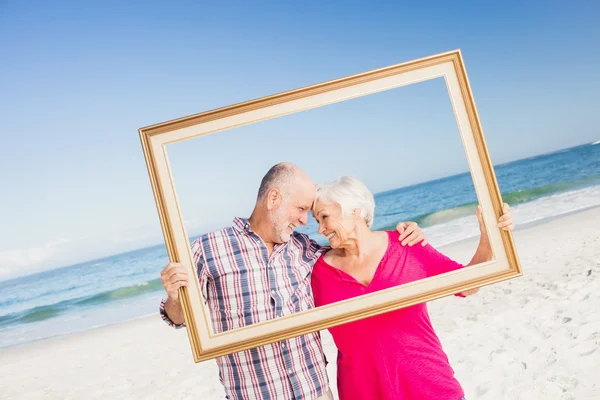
<point x="396" y="355"/>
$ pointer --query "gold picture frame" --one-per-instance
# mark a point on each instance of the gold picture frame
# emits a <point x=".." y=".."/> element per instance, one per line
<point x="206" y="344"/>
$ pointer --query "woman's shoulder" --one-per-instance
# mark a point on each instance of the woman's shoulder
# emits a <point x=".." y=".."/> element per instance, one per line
<point x="324" y="260"/>
<point x="393" y="235"/>
<point x="328" y="257"/>
<point x="396" y="245"/>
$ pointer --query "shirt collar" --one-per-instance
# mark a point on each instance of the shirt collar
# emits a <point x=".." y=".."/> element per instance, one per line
<point x="241" y="224"/>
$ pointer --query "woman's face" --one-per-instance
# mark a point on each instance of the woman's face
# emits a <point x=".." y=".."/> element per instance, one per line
<point x="336" y="227"/>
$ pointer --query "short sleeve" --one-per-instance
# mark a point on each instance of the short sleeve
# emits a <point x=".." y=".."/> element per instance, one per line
<point x="436" y="263"/>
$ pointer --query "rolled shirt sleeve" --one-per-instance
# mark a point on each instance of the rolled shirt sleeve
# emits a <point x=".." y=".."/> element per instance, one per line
<point x="201" y="276"/>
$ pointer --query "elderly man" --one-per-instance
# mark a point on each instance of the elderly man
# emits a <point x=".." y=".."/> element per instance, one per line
<point x="256" y="270"/>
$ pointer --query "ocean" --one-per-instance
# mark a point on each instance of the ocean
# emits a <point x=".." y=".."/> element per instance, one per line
<point x="127" y="286"/>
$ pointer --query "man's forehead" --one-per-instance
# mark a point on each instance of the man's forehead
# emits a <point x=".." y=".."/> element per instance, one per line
<point x="319" y="206"/>
<point x="302" y="197"/>
<point x="308" y="201"/>
<point x="308" y="192"/>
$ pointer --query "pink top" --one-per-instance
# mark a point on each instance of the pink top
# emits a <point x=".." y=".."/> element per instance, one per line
<point x="396" y="355"/>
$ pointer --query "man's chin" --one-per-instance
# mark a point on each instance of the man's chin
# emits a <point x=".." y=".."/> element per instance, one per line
<point x="285" y="237"/>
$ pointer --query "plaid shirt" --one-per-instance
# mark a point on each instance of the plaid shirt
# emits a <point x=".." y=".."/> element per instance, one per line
<point x="242" y="286"/>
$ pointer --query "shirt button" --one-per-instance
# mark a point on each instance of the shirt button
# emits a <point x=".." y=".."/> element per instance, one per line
<point x="283" y="344"/>
<point x="290" y="371"/>
<point x="273" y="291"/>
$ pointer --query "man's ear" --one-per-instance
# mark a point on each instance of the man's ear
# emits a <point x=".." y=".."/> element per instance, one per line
<point x="273" y="199"/>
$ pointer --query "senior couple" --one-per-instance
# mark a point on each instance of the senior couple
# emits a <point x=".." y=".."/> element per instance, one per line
<point x="259" y="268"/>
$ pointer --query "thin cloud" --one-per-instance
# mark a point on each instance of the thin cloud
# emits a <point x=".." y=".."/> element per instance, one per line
<point x="24" y="261"/>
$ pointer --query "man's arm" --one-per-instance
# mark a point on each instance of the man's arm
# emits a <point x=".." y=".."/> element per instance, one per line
<point x="410" y="234"/>
<point x="174" y="276"/>
<point x="174" y="311"/>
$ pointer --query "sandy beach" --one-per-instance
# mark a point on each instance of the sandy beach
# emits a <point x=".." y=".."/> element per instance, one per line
<point x="534" y="337"/>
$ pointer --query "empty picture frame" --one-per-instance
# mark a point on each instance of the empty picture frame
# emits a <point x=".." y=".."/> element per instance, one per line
<point x="449" y="66"/>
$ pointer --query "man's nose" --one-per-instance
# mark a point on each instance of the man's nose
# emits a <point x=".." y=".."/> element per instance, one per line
<point x="304" y="218"/>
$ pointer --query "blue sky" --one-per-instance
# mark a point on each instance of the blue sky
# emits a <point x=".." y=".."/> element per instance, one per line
<point x="78" y="81"/>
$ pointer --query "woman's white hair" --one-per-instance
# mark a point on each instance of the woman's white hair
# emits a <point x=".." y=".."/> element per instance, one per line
<point x="350" y="194"/>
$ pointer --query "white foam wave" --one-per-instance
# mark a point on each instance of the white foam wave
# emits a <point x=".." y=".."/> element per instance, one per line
<point x="536" y="210"/>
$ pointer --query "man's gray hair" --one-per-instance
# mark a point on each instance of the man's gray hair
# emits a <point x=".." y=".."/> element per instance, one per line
<point x="350" y="194"/>
<point x="277" y="177"/>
